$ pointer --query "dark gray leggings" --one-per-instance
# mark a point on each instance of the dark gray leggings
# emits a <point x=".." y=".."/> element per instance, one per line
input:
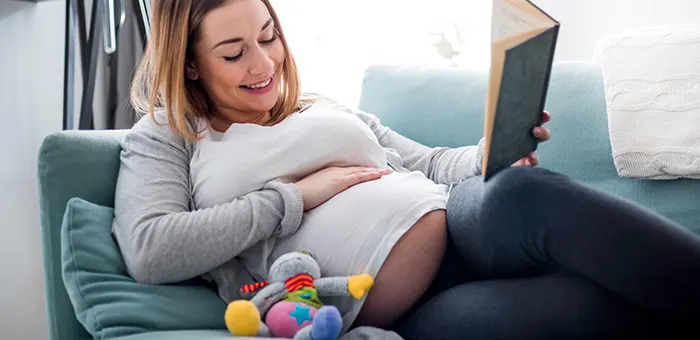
<point x="536" y="255"/>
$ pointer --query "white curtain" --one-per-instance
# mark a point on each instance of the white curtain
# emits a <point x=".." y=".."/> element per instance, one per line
<point x="334" y="41"/>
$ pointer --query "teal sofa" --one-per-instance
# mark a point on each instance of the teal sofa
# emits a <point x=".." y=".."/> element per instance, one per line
<point x="434" y="106"/>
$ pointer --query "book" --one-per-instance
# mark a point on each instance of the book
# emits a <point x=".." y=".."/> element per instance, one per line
<point x="523" y="41"/>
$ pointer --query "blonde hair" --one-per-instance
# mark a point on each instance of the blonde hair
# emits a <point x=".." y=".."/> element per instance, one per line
<point x="160" y="84"/>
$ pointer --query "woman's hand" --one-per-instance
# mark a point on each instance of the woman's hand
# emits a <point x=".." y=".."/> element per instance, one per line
<point x="322" y="185"/>
<point x="542" y="135"/>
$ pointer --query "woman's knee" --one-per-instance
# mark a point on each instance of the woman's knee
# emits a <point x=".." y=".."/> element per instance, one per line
<point x="510" y="185"/>
<point x="511" y="196"/>
<point x="524" y="199"/>
<point x="521" y="184"/>
<point x="478" y="209"/>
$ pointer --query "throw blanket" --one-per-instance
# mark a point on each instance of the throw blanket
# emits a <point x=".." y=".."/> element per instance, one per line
<point x="652" y="92"/>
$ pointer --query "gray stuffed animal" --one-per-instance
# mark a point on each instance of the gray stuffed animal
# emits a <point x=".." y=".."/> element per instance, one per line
<point x="290" y="301"/>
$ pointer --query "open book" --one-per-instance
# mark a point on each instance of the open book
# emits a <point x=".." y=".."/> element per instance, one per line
<point x="523" y="40"/>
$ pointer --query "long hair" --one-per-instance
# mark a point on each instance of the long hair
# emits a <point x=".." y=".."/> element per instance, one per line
<point x="160" y="84"/>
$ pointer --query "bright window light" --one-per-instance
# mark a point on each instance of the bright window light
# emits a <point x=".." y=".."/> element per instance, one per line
<point x="334" y="41"/>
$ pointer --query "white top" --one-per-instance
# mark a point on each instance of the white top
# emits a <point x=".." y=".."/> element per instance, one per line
<point x="350" y="234"/>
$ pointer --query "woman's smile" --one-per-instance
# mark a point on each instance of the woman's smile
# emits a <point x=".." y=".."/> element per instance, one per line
<point x="261" y="87"/>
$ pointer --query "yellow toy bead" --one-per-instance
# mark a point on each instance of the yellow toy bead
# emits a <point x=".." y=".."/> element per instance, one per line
<point x="242" y="318"/>
<point x="359" y="285"/>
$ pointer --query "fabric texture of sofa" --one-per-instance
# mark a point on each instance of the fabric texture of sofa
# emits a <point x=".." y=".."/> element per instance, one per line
<point x="438" y="107"/>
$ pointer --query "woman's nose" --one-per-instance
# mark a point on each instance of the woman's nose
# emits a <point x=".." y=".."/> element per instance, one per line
<point x="262" y="63"/>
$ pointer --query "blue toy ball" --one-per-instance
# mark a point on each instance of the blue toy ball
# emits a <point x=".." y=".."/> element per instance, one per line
<point x="327" y="324"/>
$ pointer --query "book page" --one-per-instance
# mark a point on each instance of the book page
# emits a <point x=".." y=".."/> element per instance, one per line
<point x="513" y="17"/>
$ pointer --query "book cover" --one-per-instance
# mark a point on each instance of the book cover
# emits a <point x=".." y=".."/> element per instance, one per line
<point x="523" y="45"/>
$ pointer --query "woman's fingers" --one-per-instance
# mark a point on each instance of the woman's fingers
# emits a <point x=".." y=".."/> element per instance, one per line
<point x="528" y="161"/>
<point x="542" y="134"/>
<point x="546" y="117"/>
<point x="534" y="160"/>
<point x="360" y="169"/>
<point x="365" y="176"/>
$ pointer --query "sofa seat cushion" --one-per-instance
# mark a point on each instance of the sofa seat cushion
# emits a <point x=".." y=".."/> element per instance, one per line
<point x="186" y="335"/>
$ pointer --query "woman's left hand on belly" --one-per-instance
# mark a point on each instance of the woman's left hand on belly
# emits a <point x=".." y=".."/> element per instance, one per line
<point x="319" y="187"/>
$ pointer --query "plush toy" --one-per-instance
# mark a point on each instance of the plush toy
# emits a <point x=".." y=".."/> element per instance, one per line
<point x="290" y="303"/>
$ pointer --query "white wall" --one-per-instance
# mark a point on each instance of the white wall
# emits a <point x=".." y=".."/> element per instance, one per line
<point x="584" y="22"/>
<point x="31" y="95"/>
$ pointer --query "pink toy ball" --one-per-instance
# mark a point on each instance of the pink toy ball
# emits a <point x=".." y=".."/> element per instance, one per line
<point x="286" y="318"/>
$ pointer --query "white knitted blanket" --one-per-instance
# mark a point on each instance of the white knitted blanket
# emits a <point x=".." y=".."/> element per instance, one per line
<point x="652" y="92"/>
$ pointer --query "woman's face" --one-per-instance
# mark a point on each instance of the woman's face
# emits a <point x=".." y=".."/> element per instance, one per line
<point x="238" y="58"/>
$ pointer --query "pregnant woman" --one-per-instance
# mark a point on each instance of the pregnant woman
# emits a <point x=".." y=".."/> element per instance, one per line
<point x="232" y="167"/>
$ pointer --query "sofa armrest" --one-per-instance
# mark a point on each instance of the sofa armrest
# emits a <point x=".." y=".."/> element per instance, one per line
<point x="71" y="164"/>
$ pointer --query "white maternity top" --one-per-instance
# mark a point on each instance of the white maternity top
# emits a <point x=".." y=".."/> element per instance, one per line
<point x="350" y="234"/>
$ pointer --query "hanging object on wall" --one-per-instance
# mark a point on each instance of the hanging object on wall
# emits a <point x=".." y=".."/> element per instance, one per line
<point x="100" y="59"/>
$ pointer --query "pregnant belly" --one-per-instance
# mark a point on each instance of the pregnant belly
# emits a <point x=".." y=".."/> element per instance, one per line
<point x="355" y="231"/>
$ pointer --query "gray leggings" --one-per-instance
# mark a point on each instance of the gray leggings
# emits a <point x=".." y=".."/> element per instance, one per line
<point x="536" y="255"/>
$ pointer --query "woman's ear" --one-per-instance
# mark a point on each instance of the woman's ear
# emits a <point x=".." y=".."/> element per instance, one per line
<point x="191" y="71"/>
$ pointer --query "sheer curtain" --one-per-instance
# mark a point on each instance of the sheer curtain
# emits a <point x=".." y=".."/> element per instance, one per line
<point x="334" y="41"/>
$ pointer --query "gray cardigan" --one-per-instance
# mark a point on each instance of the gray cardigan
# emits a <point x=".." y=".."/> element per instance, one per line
<point x="162" y="237"/>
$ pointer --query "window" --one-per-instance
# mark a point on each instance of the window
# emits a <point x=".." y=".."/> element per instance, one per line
<point x="334" y="41"/>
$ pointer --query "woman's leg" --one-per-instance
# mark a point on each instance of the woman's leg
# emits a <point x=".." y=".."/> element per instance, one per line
<point x="407" y="272"/>
<point x="551" y="306"/>
<point x="525" y="221"/>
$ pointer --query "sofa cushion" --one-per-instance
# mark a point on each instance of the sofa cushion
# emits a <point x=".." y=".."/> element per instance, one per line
<point x="107" y="301"/>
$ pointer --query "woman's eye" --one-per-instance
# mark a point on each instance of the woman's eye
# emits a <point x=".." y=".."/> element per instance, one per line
<point x="234" y="58"/>
<point x="269" y="41"/>
<point x="264" y="42"/>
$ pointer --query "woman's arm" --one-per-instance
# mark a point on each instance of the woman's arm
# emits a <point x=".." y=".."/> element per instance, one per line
<point x="441" y="164"/>
<point x="162" y="241"/>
